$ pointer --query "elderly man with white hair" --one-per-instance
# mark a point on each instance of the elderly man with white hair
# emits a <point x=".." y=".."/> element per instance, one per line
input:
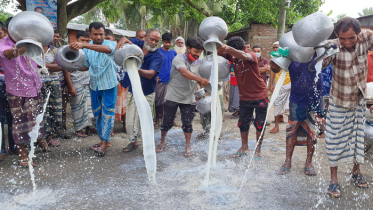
<point x="281" y="103"/>
<point x="180" y="45"/>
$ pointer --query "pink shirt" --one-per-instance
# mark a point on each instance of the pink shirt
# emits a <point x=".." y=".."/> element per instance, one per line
<point x="20" y="79"/>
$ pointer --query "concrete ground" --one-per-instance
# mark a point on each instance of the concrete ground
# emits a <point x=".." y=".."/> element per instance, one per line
<point x="73" y="177"/>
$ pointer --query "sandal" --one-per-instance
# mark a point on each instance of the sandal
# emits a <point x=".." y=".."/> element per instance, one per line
<point x="310" y="171"/>
<point x="93" y="147"/>
<point x="130" y="147"/>
<point x="81" y="134"/>
<point x="239" y="154"/>
<point x="160" y="148"/>
<point x="65" y="136"/>
<point x="275" y="130"/>
<point x="54" y="143"/>
<point x="100" y="151"/>
<point x="24" y="163"/>
<point x="283" y="170"/>
<point x="359" y="181"/>
<point x="202" y="135"/>
<point x="333" y="191"/>
<point x="177" y="124"/>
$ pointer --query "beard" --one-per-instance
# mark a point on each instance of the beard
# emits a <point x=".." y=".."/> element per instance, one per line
<point x="180" y="50"/>
<point x="150" y="48"/>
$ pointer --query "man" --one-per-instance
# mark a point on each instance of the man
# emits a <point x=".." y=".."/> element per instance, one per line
<point x="163" y="76"/>
<point x="180" y="45"/>
<point x="120" y="107"/>
<point x="141" y="35"/>
<point x="262" y="62"/>
<point x="180" y="93"/>
<point x="80" y="101"/>
<point x="5" y="114"/>
<point x="25" y="100"/>
<point x="281" y="104"/>
<point x="39" y="10"/>
<point x="252" y="89"/>
<point x="347" y="103"/>
<point x="153" y="59"/>
<point x="247" y="47"/>
<point x="303" y="127"/>
<point x="103" y="82"/>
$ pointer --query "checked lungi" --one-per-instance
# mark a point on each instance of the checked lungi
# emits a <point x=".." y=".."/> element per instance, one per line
<point x="81" y="108"/>
<point x="344" y="137"/>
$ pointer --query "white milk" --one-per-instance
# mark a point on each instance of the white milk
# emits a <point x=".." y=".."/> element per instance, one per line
<point x="33" y="138"/>
<point x="146" y="119"/>
<point x="216" y="115"/>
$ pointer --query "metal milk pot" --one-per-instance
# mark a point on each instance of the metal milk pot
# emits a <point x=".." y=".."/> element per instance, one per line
<point x="213" y="30"/>
<point x="224" y="68"/>
<point x="31" y="30"/>
<point x="126" y="52"/>
<point x="70" y="60"/>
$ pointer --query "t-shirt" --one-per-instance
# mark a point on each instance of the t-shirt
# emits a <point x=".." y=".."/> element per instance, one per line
<point x="303" y="84"/>
<point x="251" y="85"/>
<point x="80" y="77"/>
<point x="287" y="77"/>
<point x="261" y="63"/>
<point x="152" y="61"/>
<point x="181" y="89"/>
<point x="164" y="74"/>
<point x="327" y="75"/>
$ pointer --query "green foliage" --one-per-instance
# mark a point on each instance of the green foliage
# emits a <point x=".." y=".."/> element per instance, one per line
<point x="4" y="15"/>
<point x="366" y="11"/>
<point x="340" y="16"/>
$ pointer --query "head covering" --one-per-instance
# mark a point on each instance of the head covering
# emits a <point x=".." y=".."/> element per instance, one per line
<point x="276" y="43"/>
<point x="179" y="38"/>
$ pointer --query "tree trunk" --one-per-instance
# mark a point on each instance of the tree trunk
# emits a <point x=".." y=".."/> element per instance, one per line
<point x="173" y="31"/>
<point x="186" y="29"/>
<point x="62" y="17"/>
<point x="196" y="29"/>
<point x="281" y="19"/>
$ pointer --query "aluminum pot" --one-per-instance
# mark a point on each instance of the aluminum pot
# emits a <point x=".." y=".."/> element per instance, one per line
<point x="204" y="105"/>
<point x="205" y="67"/>
<point x="296" y="52"/>
<point x="200" y="93"/>
<point x="313" y="29"/>
<point x="129" y="51"/>
<point x="213" y="30"/>
<point x="70" y="60"/>
<point x="209" y="88"/>
<point x="31" y="30"/>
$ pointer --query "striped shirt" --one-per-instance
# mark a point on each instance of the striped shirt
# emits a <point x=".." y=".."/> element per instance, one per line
<point x="102" y="67"/>
<point x="350" y="71"/>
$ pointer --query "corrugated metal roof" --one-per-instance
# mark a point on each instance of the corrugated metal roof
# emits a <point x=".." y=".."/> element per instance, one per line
<point x="83" y="27"/>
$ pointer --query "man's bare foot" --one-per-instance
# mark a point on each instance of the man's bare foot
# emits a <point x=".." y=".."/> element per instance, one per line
<point x="274" y="130"/>
<point x="160" y="148"/>
<point x="188" y="151"/>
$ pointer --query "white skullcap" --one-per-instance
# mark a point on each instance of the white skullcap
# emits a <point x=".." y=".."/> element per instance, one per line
<point x="179" y="38"/>
<point x="276" y="43"/>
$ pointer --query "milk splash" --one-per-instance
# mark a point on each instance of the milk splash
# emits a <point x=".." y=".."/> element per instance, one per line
<point x="275" y="94"/>
<point x="216" y="114"/>
<point x="146" y="120"/>
<point x="33" y="137"/>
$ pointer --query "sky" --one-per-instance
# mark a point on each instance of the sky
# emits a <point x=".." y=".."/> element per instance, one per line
<point x="350" y="7"/>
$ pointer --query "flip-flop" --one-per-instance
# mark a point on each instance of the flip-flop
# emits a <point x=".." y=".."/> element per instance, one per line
<point x="333" y="191"/>
<point x="162" y="147"/>
<point x="92" y="147"/>
<point x="81" y="134"/>
<point x="177" y="124"/>
<point x="359" y="181"/>
<point x="311" y="171"/>
<point x="239" y="154"/>
<point x="257" y="158"/>
<point x="130" y="147"/>
<point x="100" y="151"/>
<point x="285" y="170"/>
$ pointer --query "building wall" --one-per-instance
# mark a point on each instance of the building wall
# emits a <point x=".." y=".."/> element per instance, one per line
<point x="263" y="35"/>
<point x="72" y="36"/>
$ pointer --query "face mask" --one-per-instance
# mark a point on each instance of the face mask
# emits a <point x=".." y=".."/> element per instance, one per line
<point x="191" y="57"/>
<point x="258" y="55"/>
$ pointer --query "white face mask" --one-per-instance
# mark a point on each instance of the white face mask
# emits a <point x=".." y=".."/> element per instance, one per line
<point x="258" y="54"/>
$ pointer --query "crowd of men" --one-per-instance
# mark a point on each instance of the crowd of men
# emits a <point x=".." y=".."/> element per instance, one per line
<point x="99" y="96"/>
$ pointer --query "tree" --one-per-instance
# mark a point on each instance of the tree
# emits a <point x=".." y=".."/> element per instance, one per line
<point x="366" y="11"/>
<point x="340" y="16"/>
<point x="4" y="15"/>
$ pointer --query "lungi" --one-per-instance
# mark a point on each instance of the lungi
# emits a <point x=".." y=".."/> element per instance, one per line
<point x="53" y="112"/>
<point x="234" y="99"/>
<point x="160" y="93"/>
<point x="344" y="137"/>
<point x="281" y="104"/>
<point x="103" y="106"/>
<point x="24" y="111"/>
<point x="120" y="107"/>
<point x="132" y="117"/>
<point x="81" y="108"/>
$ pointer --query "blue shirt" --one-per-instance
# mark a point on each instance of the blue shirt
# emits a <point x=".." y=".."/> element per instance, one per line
<point x="327" y="75"/>
<point x="152" y="61"/>
<point x="102" y="67"/>
<point x="303" y="84"/>
<point x="168" y="56"/>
